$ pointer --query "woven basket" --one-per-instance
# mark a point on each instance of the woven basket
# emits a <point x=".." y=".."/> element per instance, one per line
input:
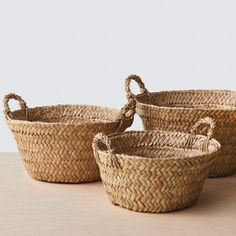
<point x="179" y="110"/>
<point x="55" y="142"/>
<point x="155" y="171"/>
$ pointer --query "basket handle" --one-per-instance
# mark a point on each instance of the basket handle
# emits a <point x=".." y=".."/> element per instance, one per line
<point x="7" y="98"/>
<point x="206" y="121"/>
<point x="112" y="160"/>
<point x="138" y="80"/>
<point x="128" y="111"/>
<point x="126" y="115"/>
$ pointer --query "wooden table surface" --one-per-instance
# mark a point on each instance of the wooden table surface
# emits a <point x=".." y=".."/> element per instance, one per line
<point x="30" y="207"/>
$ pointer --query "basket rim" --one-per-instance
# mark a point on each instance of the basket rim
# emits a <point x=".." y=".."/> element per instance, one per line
<point x="232" y="108"/>
<point x="110" y="109"/>
<point x="138" y="157"/>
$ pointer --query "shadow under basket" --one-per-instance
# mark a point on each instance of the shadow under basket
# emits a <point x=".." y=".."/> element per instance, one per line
<point x="55" y="142"/>
<point x="179" y="110"/>
<point x="155" y="171"/>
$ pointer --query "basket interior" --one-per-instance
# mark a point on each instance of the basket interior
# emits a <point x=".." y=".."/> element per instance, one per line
<point x="70" y="114"/>
<point x="211" y="99"/>
<point x="162" y="144"/>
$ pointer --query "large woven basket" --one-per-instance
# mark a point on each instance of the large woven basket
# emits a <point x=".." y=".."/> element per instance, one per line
<point x="155" y="171"/>
<point x="179" y="110"/>
<point x="55" y="142"/>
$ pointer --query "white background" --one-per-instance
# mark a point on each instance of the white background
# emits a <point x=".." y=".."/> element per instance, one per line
<point x="72" y="51"/>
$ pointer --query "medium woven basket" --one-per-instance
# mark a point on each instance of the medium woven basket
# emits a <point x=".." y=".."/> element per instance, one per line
<point x="155" y="171"/>
<point x="179" y="110"/>
<point x="55" y="142"/>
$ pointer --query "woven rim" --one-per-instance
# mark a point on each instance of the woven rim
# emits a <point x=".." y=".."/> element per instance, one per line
<point x="99" y="137"/>
<point x="125" y="113"/>
<point x="144" y="92"/>
<point x="232" y="108"/>
<point x="100" y="108"/>
<point x="208" y="140"/>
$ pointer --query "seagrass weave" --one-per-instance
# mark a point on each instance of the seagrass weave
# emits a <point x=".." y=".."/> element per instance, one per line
<point x="55" y="142"/>
<point x="179" y="110"/>
<point x="155" y="171"/>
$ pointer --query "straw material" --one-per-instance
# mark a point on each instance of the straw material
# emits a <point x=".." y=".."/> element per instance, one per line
<point x="179" y="110"/>
<point x="55" y="142"/>
<point x="155" y="171"/>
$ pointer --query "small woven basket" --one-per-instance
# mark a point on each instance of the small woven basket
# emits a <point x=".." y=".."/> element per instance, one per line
<point x="179" y="110"/>
<point x="155" y="171"/>
<point x="55" y="142"/>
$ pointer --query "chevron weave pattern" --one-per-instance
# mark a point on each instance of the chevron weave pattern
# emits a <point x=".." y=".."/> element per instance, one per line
<point x="155" y="171"/>
<point x="179" y="110"/>
<point x="55" y="142"/>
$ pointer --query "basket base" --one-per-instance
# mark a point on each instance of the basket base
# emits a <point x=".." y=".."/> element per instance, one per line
<point x="157" y="209"/>
<point x="59" y="172"/>
<point x="76" y="181"/>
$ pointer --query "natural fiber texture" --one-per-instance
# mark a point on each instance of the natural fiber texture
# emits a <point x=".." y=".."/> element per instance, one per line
<point x="55" y="142"/>
<point x="155" y="171"/>
<point x="179" y="110"/>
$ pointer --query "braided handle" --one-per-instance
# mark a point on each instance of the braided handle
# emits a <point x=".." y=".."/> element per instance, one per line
<point x="111" y="160"/>
<point x="104" y="139"/>
<point x="138" y="80"/>
<point x="206" y="121"/>
<point x="7" y="98"/>
<point x="126" y="116"/>
<point x="128" y="111"/>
